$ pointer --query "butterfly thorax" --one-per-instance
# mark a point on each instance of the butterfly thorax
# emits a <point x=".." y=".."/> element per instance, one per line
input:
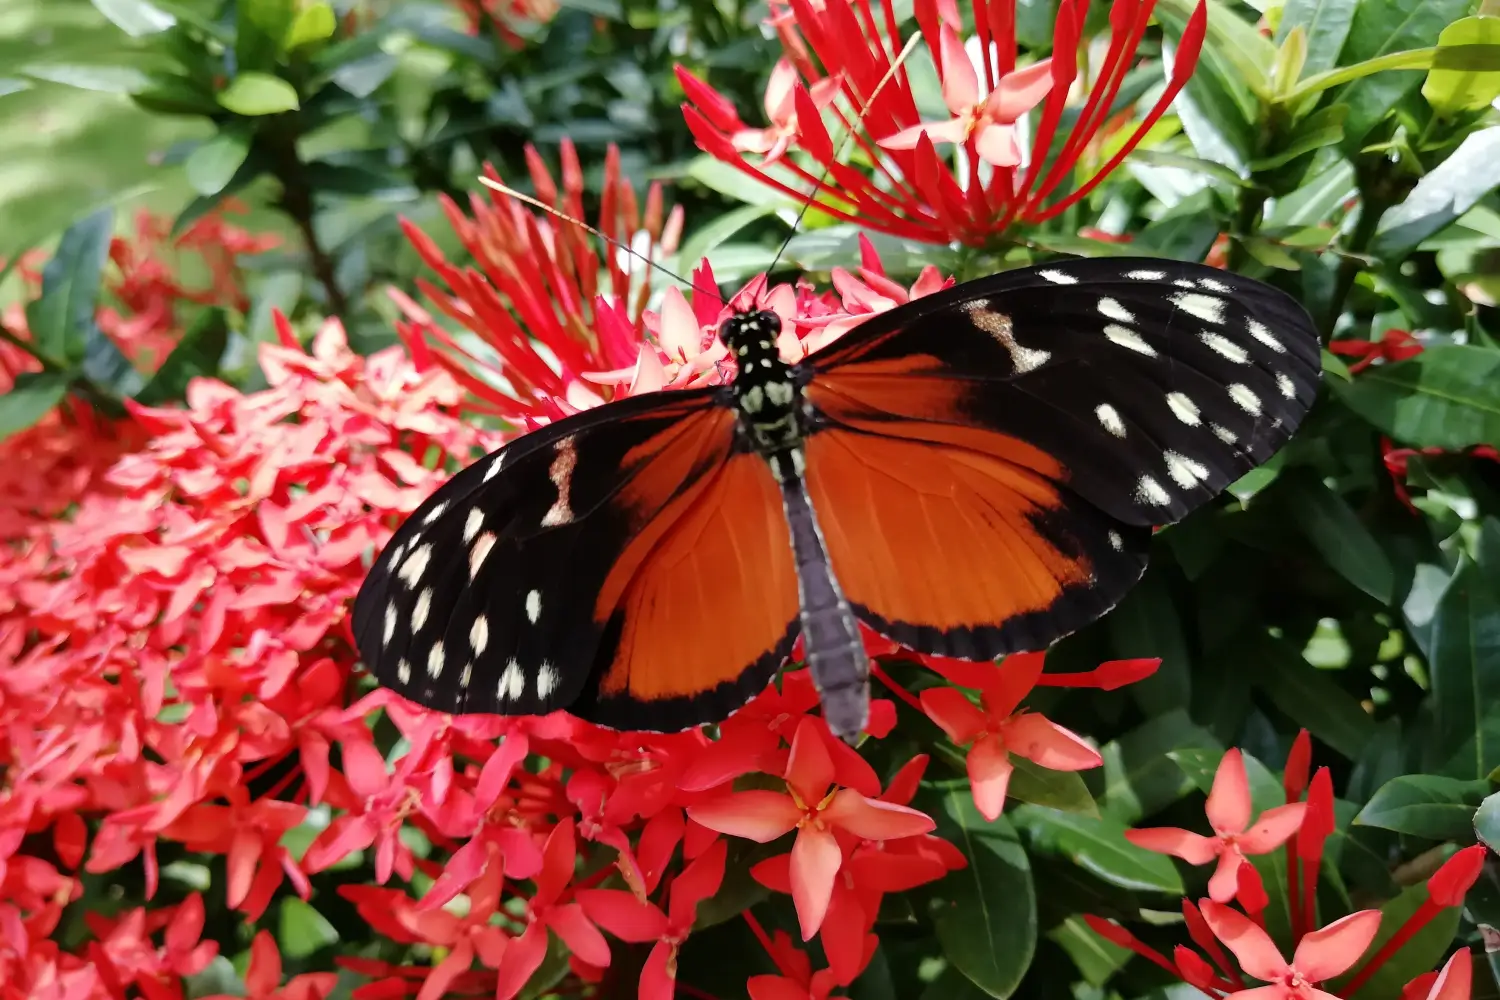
<point x="766" y="396"/>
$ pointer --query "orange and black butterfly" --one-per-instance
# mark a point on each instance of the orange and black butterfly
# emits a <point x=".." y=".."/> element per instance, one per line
<point x="971" y="474"/>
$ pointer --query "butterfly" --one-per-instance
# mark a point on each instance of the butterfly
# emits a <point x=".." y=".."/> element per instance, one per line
<point x="973" y="473"/>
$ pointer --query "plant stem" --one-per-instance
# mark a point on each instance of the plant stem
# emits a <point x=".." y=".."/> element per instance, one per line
<point x="297" y="202"/>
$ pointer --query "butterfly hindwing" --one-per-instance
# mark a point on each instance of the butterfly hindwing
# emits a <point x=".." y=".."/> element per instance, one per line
<point x="1056" y="413"/>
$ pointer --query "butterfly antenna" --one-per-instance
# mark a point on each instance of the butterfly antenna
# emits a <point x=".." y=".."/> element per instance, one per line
<point x="506" y="189"/>
<point x="890" y="73"/>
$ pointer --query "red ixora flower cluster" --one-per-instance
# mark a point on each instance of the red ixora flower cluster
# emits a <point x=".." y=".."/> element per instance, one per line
<point x="963" y="177"/>
<point x="1231" y="947"/>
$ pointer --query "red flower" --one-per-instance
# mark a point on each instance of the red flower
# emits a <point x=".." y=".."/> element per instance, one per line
<point x="1320" y="956"/>
<point x="1393" y="345"/>
<point x="630" y="919"/>
<point x="809" y="807"/>
<point x="263" y="977"/>
<point x="996" y="729"/>
<point x="1228" y="811"/>
<point x="911" y="192"/>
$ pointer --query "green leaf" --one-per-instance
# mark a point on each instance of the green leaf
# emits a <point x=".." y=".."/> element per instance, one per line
<point x="61" y="318"/>
<point x="1200" y="766"/>
<point x="104" y="79"/>
<point x="261" y="30"/>
<point x="1064" y="790"/>
<point x="1139" y="778"/>
<point x="1487" y="822"/>
<point x="362" y="77"/>
<point x="704" y="239"/>
<point x="314" y="23"/>
<point x="258" y="94"/>
<point x="1446" y="397"/>
<point x="12" y="85"/>
<point x="1309" y="697"/>
<point x="1425" y="805"/>
<point x="303" y="930"/>
<point x="1465" y="74"/>
<point x="31" y="398"/>
<point x="1146" y="623"/>
<point x="984" y="914"/>
<point x="1324" y="127"/>
<point x="1098" y="846"/>
<point x="213" y="164"/>
<point x="1451" y="189"/>
<point x="136" y="18"/>
<point x="1464" y="661"/>
<point x="1337" y="534"/>
<point x="1096" y="958"/>
<point x="1423" y="952"/>
<point x="726" y="180"/>
<point x="1386" y="28"/>
<point x="196" y="354"/>
<point x="1327" y="25"/>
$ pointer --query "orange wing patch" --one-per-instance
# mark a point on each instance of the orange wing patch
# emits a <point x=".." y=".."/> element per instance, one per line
<point x="707" y="588"/>
<point x="939" y="536"/>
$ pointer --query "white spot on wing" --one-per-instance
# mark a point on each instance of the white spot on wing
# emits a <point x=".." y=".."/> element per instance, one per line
<point x="1224" y="434"/>
<point x="1110" y="418"/>
<point x="1259" y="332"/>
<point x="512" y="682"/>
<point x="1287" y="387"/>
<point x="1128" y="338"/>
<point x="1214" y="285"/>
<point x="533" y="606"/>
<point x="546" y="680"/>
<point x="481" y="549"/>
<point x="998" y="325"/>
<point x="1059" y="277"/>
<point x="1225" y="347"/>
<point x="1245" y="399"/>
<point x="1146" y="275"/>
<point x="403" y="671"/>
<point x="435" y="660"/>
<point x="1205" y="307"/>
<point x="1184" y="471"/>
<point x="472" y="524"/>
<point x="1184" y="408"/>
<point x="1148" y="490"/>
<point x="419" y="613"/>
<point x="415" y="565"/>
<point x="494" y="469"/>
<point x="561" y="474"/>
<point x="435" y="513"/>
<point x="479" y="634"/>
<point x="466" y="675"/>
<point x="390" y="623"/>
<point x="1116" y="542"/>
<point x="1112" y="308"/>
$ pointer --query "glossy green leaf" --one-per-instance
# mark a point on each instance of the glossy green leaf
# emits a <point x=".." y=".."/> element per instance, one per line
<point x="1324" y="127"/>
<point x="259" y="94"/>
<point x="1383" y="29"/>
<point x="1446" y="397"/>
<point x="61" y="318"/>
<point x="1464" y="661"/>
<point x="1139" y="778"/>
<point x="1487" y="822"/>
<point x="1063" y="790"/>
<point x="1425" y="805"/>
<point x="1422" y="953"/>
<point x="1326" y="23"/>
<point x="985" y="914"/>
<point x="196" y="354"/>
<point x="13" y="85"/>
<point x="315" y="22"/>
<point x="1096" y="958"/>
<point x="104" y="79"/>
<point x="1337" y="534"/>
<point x="1309" y="697"/>
<point x="1098" y="846"/>
<point x="303" y="930"/>
<point x="362" y="77"/>
<point x="1146" y="623"/>
<point x="213" y="164"/>
<point x="32" y="397"/>
<point x="1465" y="74"/>
<point x="136" y="18"/>
<point x="1451" y="188"/>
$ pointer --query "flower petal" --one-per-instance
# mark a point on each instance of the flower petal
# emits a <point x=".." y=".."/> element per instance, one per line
<point x="1019" y="92"/>
<point x="1251" y="945"/>
<point x="520" y="960"/>
<point x="779" y="91"/>
<point x="1184" y="844"/>
<point x="1017" y="675"/>
<point x="1456" y="979"/>
<point x="759" y="815"/>
<point x="989" y="776"/>
<point x="1224" y="883"/>
<point x="960" y="84"/>
<point x="1044" y="742"/>
<point x="581" y="936"/>
<point x="1274" y="828"/>
<point x="815" y="863"/>
<point x="1330" y="951"/>
<point x="872" y="819"/>
<point x="659" y="974"/>
<point x="624" y="916"/>
<point x="809" y="770"/>
<point x="1229" y="800"/>
<point x="996" y="145"/>
<point x="960" y="718"/>
<point x="678" y="332"/>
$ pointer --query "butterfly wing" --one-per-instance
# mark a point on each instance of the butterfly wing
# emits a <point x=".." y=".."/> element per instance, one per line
<point x="988" y="461"/>
<point x="515" y="586"/>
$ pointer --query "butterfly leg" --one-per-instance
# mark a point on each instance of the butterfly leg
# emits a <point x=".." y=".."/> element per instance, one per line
<point x="830" y="633"/>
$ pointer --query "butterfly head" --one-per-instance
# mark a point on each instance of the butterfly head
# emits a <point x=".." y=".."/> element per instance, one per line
<point x="751" y="333"/>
